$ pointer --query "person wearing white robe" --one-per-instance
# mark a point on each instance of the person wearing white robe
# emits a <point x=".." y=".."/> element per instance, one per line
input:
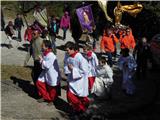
<point x="104" y="79"/>
<point x="77" y="79"/>
<point x="49" y="80"/>
<point x="92" y="59"/>
<point x="127" y="65"/>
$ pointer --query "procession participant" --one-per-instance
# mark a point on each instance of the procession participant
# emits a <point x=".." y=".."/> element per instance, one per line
<point x="28" y="34"/>
<point x="66" y="56"/>
<point x="49" y="80"/>
<point x="107" y="44"/>
<point x="9" y="31"/>
<point x="52" y="32"/>
<point x="127" y="40"/>
<point x="93" y="63"/>
<point x="65" y="24"/>
<point x="36" y="52"/>
<point x="104" y="79"/>
<point x="127" y="65"/>
<point x="37" y="26"/>
<point x="77" y="79"/>
<point x="28" y="39"/>
<point x="18" y="22"/>
<point x="142" y="50"/>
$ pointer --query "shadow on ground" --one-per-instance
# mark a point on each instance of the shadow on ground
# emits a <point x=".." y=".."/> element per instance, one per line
<point x="24" y="48"/>
<point x="62" y="105"/>
<point x="62" y="47"/>
<point x="6" y="45"/>
<point x="26" y="86"/>
<point x="59" y="37"/>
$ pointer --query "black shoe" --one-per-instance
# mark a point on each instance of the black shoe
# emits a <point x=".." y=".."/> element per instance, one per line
<point x="40" y="100"/>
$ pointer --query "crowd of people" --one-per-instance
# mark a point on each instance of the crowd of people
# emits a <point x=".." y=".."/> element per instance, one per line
<point x="89" y="77"/>
<point x="49" y="32"/>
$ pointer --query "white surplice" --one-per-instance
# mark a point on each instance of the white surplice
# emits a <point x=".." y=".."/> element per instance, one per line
<point x="78" y="77"/>
<point x="93" y="63"/>
<point x="103" y="79"/>
<point x="50" y="74"/>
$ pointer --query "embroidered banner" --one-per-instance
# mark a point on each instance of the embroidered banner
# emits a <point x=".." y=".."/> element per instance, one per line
<point x="86" y="19"/>
<point x="41" y="17"/>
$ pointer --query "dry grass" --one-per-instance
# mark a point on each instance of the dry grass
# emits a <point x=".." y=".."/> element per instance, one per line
<point x="8" y="71"/>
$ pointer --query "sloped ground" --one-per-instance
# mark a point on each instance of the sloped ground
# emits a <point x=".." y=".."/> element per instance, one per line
<point x="18" y="100"/>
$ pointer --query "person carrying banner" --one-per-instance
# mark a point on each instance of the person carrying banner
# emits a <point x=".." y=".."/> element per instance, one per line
<point x="77" y="79"/>
<point x="65" y="24"/>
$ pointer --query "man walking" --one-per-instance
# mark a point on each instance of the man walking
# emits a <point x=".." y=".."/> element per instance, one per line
<point x="18" y="22"/>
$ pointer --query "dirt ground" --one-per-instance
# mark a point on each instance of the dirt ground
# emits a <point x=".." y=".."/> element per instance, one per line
<point x="19" y="103"/>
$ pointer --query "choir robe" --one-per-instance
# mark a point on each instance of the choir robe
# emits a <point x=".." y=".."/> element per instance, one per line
<point x="49" y="79"/>
<point x="78" y="82"/>
<point x="104" y="79"/>
<point x="78" y="77"/>
<point x="93" y="63"/>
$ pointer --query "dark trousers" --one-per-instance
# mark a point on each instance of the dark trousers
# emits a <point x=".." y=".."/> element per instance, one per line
<point x="19" y="34"/>
<point x="64" y="32"/>
<point x="36" y="71"/>
<point x="53" y="42"/>
<point x="141" y="69"/>
<point x="110" y="62"/>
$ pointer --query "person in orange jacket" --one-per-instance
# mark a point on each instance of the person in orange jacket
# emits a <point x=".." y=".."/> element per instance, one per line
<point x="107" y="44"/>
<point x="127" y="40"/>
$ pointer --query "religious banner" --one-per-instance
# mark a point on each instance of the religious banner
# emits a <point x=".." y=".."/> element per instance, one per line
<point x="86" y="19"/>
<point x="41" y="17"/>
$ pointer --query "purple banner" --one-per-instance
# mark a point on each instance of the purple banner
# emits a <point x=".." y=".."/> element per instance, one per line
<point x="86" y="19"/>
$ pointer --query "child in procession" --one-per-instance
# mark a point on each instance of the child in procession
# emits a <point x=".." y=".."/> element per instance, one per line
<point x="93" y="63"/>
<point x="77" y="79"/>
<point x="104" y="79"/>
<point x="49" y="80"/>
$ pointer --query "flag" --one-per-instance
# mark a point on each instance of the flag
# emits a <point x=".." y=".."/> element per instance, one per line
<point x="86" y="19"/>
